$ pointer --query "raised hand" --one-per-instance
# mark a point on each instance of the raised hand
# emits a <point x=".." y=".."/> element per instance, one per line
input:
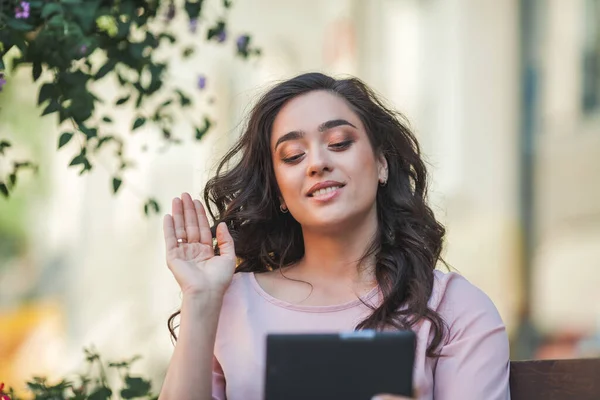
<point x="190" y="252"/>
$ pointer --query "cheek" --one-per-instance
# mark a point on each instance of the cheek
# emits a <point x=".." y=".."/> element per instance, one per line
<point x="287" y="181"/>
<point x="364" y="164"/>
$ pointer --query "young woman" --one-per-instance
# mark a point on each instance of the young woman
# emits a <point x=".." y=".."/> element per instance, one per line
<point x="322" y="206"/>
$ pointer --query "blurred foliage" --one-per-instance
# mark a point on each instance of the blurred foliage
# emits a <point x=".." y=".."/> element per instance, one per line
<point x="77" y="43"/>
<point x="95" y="384"/>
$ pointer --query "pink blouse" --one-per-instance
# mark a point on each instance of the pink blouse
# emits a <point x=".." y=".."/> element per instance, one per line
<point x="474" y="366"/>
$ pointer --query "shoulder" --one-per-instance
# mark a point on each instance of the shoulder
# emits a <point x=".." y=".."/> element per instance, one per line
<point x="241" y="286"/>
<point x="461" y="304"/>
<point x="474" y="356"/>
<point x="451" y="290"/>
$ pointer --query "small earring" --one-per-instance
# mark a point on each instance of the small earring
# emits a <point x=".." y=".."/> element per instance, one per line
<point x="384" y="183"/>
<point x="283" y="209"/>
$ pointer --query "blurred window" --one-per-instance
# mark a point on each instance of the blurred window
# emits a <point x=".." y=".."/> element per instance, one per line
<point x="591" y="58"/>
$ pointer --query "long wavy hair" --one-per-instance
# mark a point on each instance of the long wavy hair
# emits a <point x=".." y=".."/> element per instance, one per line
<point x="407" y="246"/>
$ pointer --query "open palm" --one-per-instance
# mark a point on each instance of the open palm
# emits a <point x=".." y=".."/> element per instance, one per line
<point x="190" y="252"/>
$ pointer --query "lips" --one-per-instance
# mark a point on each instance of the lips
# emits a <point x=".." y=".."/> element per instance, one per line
<point x="322" y="192"/>
<point x="323" y="188"/>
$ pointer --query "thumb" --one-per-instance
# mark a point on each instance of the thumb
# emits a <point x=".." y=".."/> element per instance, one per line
<point x="225" y="241"/>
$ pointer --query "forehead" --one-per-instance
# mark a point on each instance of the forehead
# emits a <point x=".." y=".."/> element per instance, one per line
<point x="308" y="111"/>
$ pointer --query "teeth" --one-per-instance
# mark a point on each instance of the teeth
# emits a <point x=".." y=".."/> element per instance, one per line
<point x="324" y="191"/>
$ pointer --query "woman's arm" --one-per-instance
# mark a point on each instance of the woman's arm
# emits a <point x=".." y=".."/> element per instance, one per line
<point x="189" y="374"/>
<point x="204" y="278"/>
<point x="474" y="362"/>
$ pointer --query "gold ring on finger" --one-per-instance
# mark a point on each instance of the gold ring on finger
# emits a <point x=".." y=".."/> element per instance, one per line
<point x="181" y="240"/>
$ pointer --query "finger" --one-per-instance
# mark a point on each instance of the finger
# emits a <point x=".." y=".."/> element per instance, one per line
<point x="178" y="219"/>
<point x="190" y="218"/>
<point x="169" y="232"/>
<point x="225" y="241"/>
<point x="205" y="233"/>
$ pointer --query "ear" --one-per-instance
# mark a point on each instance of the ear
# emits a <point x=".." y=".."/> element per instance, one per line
<point x="382" y="168"/>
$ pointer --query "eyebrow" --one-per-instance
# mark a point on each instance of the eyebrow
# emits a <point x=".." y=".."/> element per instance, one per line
<point x="295" y="135"/>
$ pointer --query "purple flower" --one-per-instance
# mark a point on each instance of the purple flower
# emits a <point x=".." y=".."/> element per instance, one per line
<point x="201" y="82"/>
<point x="22" y="10"/>
<point x="2" y="81"/>
<point x="242" y="43"/>
<point x="193" y="25"/>
<point x="221" y="36"/>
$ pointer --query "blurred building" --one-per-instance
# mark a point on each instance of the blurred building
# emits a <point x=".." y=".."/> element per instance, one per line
<point x="504" y="97"/>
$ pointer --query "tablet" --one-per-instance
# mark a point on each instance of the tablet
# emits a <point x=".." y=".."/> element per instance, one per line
<point x="346" y="366"/>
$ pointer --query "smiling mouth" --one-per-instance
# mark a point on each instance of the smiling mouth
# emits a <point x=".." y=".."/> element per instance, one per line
<point x="325" y="191"/>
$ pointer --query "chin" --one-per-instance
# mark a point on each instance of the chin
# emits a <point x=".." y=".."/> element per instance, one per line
<point x="333" y="223"/>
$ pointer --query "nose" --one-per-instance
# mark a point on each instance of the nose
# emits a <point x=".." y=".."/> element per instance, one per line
<point x="318" y="163"/>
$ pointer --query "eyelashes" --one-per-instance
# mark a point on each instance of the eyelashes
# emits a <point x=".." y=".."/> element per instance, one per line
<point x="339" y="146"/>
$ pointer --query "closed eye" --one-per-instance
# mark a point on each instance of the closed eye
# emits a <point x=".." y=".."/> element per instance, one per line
<point x="334" y="146"/>
<point x="341" y="145"/>
<point x="292" y="159"/>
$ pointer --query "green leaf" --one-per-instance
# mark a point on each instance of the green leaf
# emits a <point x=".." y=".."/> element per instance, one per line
<point x="183" y="99"/>
<point x="116" y="183"/>
<point x="200" y="132"/>
<point x="187" y="52"/>
<point x="136" y="50"/>
<point x="56" y="21"/>
<point x="123" y="100"/>
<point x="156" y="78"/>
<point x="4" y="190"/>
<point x="19" y="25"/>
<point x="151" y="204"/>
<point x="88" y="132"/>
<point x="78" y="159"/>
<point x="167" y="36"/>
<point x="103" y="140"/>
<point x="106" y="68"/>
<point x="86" y="14"/>
<point x="53" y="106"/>
<point x="138" y="123"/>
<point x="64" y="139"/>
<point x="63" y="114"/>
<point x="215" y="30"/>
<point x="51" y="8"/>
<point x="3" y="145"/>
<point x="13" y="179"/>
<point x="138" y="102"/>
<point x="151" y="40"/>
<point x="123" y="29"/>
<point x="25" y="164"/>
<point x="47" y="91"/>
<point x="77" y="79"/>
<point x="122" y="80"/>
<point x="135" y="387"/>
<point x="193" y="8"/>
<point x="36" y="71"/>
<point x="82" y="106"/>
<point x="102" y="393"/>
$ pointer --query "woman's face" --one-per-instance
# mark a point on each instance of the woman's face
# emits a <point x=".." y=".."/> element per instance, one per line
<point x="324" y="163"/>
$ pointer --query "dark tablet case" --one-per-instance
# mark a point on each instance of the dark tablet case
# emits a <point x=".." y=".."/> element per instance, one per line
<point x="347" y="366"/>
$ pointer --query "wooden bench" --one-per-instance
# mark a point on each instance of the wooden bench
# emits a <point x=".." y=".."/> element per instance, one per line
<point x="555" y="379"/>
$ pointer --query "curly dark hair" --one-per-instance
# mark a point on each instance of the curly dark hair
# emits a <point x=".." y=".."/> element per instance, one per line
<point x="244" y="194"/>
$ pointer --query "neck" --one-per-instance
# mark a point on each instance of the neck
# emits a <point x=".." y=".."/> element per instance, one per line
<point x="333" y="256"/>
